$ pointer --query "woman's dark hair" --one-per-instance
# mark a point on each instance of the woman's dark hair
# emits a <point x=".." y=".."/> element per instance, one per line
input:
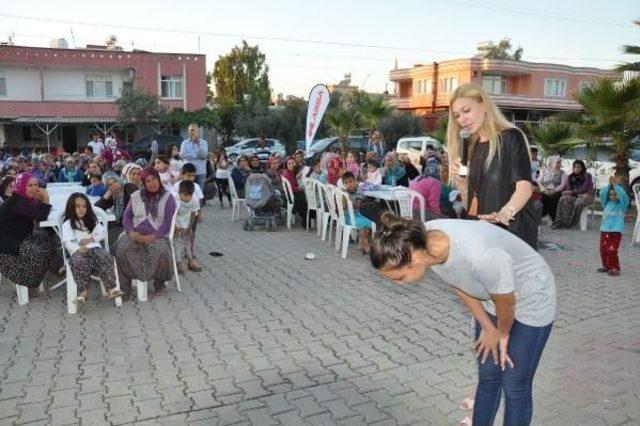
<point x="164" y="159"/>
<point x="581" y="163"/>
<point x="4" y="184"/>
<point x="314" y="163"/>
<point x="188" y="168"/>
<point x="169" y="149"/>
<point x="347" y="175"/>
<point x="89" y="219"/>
<point x="397" y="239"/>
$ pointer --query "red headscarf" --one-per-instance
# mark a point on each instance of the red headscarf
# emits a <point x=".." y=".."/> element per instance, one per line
<point x="22" y="181"/>
<point x="333" y="170"/>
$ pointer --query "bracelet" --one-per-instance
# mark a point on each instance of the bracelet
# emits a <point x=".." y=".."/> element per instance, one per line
<point x="512" y="211"/>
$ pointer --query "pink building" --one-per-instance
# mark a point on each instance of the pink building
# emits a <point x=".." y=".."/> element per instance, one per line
<point x="526" y="92"/>
<point x="71" y="93"/>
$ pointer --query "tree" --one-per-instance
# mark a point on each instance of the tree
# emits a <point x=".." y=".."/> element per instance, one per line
<point x="136" y="107"/>
<point x="630" y="50"/>
<point x="554" y="137"/>
<point x="210" y="95"/>
<point x="399" y="124"/>
<point x="243" y="72"/>
<point x="440" y="132"/>
<point x="370" y="109"/>
<point x="610" y="112"/>
<point x="502" y="50"/>
<point x="227" y="113"/>
<point x="342" y="122"/>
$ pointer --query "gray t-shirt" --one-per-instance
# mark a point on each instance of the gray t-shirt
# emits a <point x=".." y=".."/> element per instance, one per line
<point x="485" y="259"/>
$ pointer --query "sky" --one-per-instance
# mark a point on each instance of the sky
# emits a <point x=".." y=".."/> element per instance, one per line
<point x="306" y="43"/>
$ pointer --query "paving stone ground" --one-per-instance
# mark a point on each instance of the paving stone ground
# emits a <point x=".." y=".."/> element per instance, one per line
<point x="264" y="337"/>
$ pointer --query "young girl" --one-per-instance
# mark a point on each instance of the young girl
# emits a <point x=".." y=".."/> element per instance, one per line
<point x="81" y="236"/>
<point x="373" y="174"/>
<point x="615" y="202"/>
<point x="352" y="163"/>
<point x="504" y="283"/>
<point x="222" y="177"/>
<point x="161" y="164"/>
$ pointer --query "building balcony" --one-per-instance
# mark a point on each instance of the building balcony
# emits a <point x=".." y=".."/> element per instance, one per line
<point x="527" y="102"/>
<point x="400" y="103"/>
<point x="403" y="74"/>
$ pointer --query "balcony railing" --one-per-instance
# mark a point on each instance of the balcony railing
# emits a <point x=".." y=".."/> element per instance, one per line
<point x="400" y="102"/>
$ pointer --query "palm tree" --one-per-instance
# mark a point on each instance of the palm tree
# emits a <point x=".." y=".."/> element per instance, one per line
<point x="370" y="109"/>
<point x="630" y="50"/>
<point x="610" y="109"/>
<point x="342" y="123"/>
<point x="554" y="137"/>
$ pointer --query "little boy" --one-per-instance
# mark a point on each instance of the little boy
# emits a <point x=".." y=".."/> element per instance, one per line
<point x="97" y="187"/>
<point x="362" y="225"/>
<point x="189" y="174"/>
<point x="188" y="207"/>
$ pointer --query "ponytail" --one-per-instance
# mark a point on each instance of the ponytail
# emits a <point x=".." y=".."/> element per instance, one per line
<point x="397" y="239"/>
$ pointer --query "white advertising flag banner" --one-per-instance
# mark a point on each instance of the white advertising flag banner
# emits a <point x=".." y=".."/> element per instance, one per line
<point x="318" y="102"/>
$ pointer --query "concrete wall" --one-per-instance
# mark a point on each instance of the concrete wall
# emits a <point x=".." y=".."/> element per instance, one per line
<point x="23" y="82"/>
<point x="68" y="84"/>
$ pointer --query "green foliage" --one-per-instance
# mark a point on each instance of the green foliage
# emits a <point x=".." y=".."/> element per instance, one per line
<point x="440" y="132"/>
<point x="370" y="109"/>
<point x="342" y="122"/>
<point x="630" y="50"/>
<point x="227" y="112"/>
<point x="502" y="50"/>
<point x="554" y="137"/>
<point x="136" y="107"/>
<point x="243" y="72"/>
<point x="398" y="125"/>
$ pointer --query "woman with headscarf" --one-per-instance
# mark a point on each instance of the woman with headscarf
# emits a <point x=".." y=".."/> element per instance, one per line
<point x="43" y="174"/>
<point x="393" y="173"/>
<point x="551" y="182"/>
<point x="7" y="184"/>
<point x="116" y="200"/>
<point x="144" y="252"/>
<point x="70" y="173"/>
<point x="273" y="172"/>
<point x="240" y="173"/>
<point x="578" y="194"/>
<point x="429" y="187"/>
<point x="131" y="174"/>
<point x="335" y="169"/>
<point x="25" y="257"/>
<point x="299" y="198"/>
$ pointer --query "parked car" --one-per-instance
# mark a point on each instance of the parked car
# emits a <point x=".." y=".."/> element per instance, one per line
<point x="355" y="143"/>
<point x="415" y="146"/>
<point x="141" y="147"/>
<point x="248" y="147"/>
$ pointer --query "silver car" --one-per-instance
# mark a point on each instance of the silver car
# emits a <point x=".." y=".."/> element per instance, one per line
<point x="248" y="147"/>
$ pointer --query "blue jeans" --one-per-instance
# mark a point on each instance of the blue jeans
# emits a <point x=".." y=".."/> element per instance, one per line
<point x="525" y="348"/>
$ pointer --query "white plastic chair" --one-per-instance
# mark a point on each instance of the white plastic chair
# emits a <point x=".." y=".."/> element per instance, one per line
<point x="406" y="198"/>
<point x="142" y="287"/>
<point x="72" y="287"/>
<point x="22" y="292"/>
<point x="288" y="193"/>
<point x="236" y="202"/>
<point x="313" y="203"/>
<point x="321" y="194"/>
<point x="635" y="237"/>
<point x="331" y="214"/>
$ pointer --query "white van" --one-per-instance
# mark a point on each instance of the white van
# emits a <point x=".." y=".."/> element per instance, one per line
<point x="415" y="146"/>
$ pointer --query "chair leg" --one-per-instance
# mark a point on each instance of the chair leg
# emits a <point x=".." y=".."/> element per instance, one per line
<point x="346" y="234"/>
<point x="72" y="292"/>
<point x="175" y="267"/>
<point x="118" y="300"/>
<point x="339" y="231"/>
<point x="142" y="290"/>
<point x="319" y="221"/>
<point x="584" y="216"/>
<point x="325" y="222"/>
<point x="23" y="294"/>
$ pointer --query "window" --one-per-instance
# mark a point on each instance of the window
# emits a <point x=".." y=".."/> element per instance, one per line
<point x="127" y="86"/>
<point x="555" y="87"/>
<point x="449" y="84"/>
<point x="3" y="85"/>
<point x="494" y="84"/>
<point x="99" y="86"/>
<point x="416" y="145"/>
<point x="171" y="86"/>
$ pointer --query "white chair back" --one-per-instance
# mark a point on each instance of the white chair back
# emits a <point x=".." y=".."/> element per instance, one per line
<point x="406" y="200"/>
<point x="310" y="193"/>
<point x="321" y="193"/>
<point x="331" y="191"/>
<point x="288" y="191"/>
<point x="345" y="209"/>
<point x="232" y="189"/>
<point x="103" y="217"/>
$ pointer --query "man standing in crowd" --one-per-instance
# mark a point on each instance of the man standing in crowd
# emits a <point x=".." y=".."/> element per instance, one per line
<point x="96" y="144"/>
<point x="194" y="150"/>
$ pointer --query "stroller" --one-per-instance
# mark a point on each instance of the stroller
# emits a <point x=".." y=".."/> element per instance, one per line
<point x="261" y="202"/>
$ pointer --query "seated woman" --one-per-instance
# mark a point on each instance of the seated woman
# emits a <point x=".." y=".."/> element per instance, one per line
<point x="25" y="257"/>
<point x="43" y="174"/>
<point x="116" y="198"/>
<point x="255" y="165"/>
<point x="70" y="172"/>
<point x="131" y="174"/>
<point x="578" y="194"/>
<point x="92" y="169"/>
<point x="273" y="172"/>
<point x="144" y="252"/>
<point x="6" y="188"/>
<point x="429" y="188"/>
<point x="393" y="172"/>
<point x="551" y="182"/>
<point x="81" y="236"/>
<point x="299" y="199"/>
<point x="239" y="174"/>
<point x="410" y="170"/>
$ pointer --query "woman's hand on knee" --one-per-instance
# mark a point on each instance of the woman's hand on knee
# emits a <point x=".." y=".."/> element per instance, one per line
<point x="487" y="344"/>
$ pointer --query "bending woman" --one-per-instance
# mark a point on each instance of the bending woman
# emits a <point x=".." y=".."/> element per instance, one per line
<point x="144" y="252"/>
<point x="507" y="287"/>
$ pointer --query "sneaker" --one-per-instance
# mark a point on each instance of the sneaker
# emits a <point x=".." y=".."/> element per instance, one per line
<point x="603" y="270"/>
<point x="614" y="273"/>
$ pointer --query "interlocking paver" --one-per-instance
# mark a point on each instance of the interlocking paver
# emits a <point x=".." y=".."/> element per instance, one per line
<point x="263" y="336"/>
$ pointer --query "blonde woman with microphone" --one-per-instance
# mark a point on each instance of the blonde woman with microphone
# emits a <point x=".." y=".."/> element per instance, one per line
<point x="498" y="186"/>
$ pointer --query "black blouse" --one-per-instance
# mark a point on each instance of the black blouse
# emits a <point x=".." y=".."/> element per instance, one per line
<point x="495" y="185"/>
<point x="16" y="221"/>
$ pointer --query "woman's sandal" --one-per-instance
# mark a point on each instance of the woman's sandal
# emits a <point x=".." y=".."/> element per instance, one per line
<point x="466" y="421"/>
<point x="114" y="293"/>
<point x="467" y="404"/>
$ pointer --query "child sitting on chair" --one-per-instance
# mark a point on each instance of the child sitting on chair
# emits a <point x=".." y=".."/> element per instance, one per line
<point x="81" y="236"/>
<point x="97" y="187"/>
<point x="188" y="207"/>
<point x="373" y="174"/>
<point x="362" y="225"/>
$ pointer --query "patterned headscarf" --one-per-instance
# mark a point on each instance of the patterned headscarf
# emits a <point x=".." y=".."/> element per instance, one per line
<point x="325" y="159"/>
<point x="333" y="169"/>
<point x="22" y="181"/>
<point x="151" y="199"/>
<point x="118" y="199"/>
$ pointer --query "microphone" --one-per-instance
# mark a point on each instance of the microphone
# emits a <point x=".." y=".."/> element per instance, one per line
<point x="465" y="135"/>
